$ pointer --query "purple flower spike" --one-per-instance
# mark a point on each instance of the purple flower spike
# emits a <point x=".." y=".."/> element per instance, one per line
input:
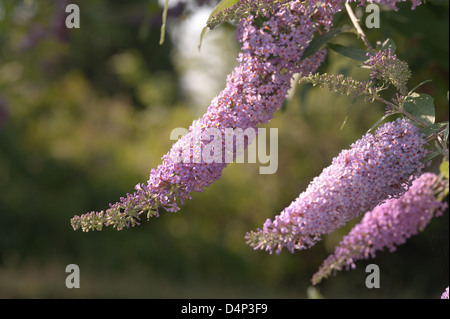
<point x="272" y="50"/>
<point x="376" y="168"/>
<point x="273" y="42"/>
<point x="386" y="226"/>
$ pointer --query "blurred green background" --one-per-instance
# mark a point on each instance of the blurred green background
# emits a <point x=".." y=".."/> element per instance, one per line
<point x="86" y="113"/>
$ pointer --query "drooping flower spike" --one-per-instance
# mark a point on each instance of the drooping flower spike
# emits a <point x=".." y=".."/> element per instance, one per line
<point x="273" y="42"/>
<point x="271" y="53"/>
<point x="386" y="226"/>
<point x="376" y="168"/>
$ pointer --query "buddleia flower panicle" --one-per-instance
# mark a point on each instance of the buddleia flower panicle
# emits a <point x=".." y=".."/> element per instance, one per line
<point x="376" y="168"/>
<point x="386" y="226"/>
<point x="271" y="55"/>
<point x="386" y="67"/>
<point x="343" y="85"/>
<point x="272" y="42"/>
<point x="445" y="294"/>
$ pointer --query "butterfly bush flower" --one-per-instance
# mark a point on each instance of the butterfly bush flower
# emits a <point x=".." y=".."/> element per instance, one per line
<point x="273" y="40"/>
<point x="445" y="294"/>
<point x="375" y="168"/>
<point x="386" y="226"/>
<point x="386" y="67"/>
<point x="272" y="49"/>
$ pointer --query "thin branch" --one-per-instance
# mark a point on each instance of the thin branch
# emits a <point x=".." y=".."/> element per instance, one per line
<point x="400" y="110"/>
<point x="436" y="134"/>
<point x="355" y="22"/>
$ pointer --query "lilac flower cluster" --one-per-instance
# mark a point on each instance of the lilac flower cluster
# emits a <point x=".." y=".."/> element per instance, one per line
<point x="445" y="294"/>
<point x="386" y="226"/>
<point x="271" y="54"/>
<point x="273" y="42"/>
<point x="376" y="168"/>
<point x="386" y="67"/>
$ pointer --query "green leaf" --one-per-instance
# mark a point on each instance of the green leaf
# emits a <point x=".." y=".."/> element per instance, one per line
<point x="164" y="19"/>
<point x="202" y="34"/>
<point x="420" y="106"/>
<point x="381" y="120"/>
<point x="317" y="42"/>
<point x="443" y="168"/>
<point x="429" y="130"/>
<point x="349" y="52"/>
<point x="440" y="149"/>
<point x="224" y="4"/>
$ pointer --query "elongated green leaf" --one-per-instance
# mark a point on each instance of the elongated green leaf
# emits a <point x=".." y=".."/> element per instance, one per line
<point x="420" y="106"/>
<point x="440" y="149"/>
<point x="349" y="52"/>
<point x="318" y="41"/>
<point x="432" y="128"/>
<point x="224" y="4"/>
<point x="202" y="34"/>
<point x="380" y="120"/>
<point x="163" y="26"/>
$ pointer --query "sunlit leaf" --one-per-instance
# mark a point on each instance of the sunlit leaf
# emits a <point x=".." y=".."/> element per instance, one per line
<point x="164" y="20"/>
<point x="224" y="4"/>
<point x="202" y="34"/>
<point x="421" y="106"/>
<point x="429" y="130"/>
